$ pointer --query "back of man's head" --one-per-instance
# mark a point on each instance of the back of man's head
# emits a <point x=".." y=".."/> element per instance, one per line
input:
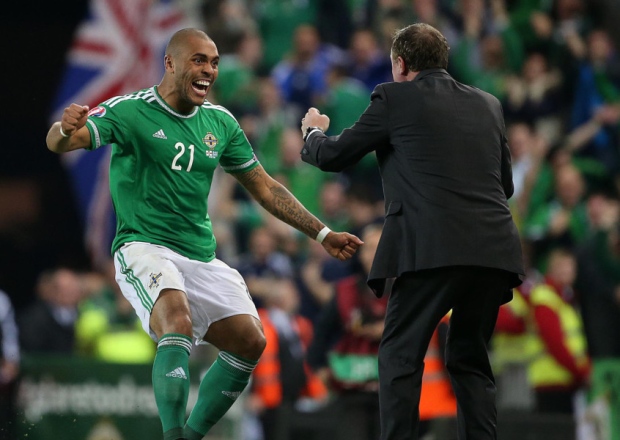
<point x="421" y="47"/>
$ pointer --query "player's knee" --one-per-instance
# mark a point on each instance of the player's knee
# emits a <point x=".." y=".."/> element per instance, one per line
<point x="177" y="323"/>
<point x="183" y="323"/>
<point x="253" y="345"/>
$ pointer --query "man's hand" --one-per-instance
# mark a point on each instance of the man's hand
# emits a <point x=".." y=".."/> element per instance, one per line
<point x="341" y="245"/>
<point x="73" y="118"/>
<point x="314" y="119"/>
<point x="69" y="133"/>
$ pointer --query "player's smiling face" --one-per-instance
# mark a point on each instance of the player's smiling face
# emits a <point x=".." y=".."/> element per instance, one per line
<point x="197" y="70"/>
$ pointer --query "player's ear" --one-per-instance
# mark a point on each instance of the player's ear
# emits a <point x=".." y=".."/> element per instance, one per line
<point x="168" y="64"/>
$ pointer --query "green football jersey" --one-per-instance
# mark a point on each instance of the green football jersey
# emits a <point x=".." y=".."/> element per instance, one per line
<point x="162" y="167"/>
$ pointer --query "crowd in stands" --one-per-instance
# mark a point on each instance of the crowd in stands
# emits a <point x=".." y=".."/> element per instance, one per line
<point x="556" y="71"/>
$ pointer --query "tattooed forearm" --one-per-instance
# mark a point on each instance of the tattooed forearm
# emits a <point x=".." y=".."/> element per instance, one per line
<point x="276" y="199"/>
<point x="250" y="177"/>
<point x="288" y="209"/>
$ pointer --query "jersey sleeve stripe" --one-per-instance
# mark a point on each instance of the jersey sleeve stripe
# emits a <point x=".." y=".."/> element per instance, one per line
<point x="141" y="95"/>
<point x="95" y="131"/>
<point x="240" y="167"/>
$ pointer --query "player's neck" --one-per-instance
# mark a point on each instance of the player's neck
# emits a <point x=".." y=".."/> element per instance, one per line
<point x="169" y="94"/>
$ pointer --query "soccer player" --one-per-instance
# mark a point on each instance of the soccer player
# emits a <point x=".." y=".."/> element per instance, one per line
<point x="166" y="143"/>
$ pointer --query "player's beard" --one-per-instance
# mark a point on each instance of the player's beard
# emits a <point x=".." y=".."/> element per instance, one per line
<point x="187" y="94"/>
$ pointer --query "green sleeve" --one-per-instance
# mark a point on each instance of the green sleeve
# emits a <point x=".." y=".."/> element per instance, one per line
<point x="106" y="125"/>
<point x="238" y="155"/>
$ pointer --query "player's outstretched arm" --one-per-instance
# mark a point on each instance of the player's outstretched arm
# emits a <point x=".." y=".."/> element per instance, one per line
<point x="276" y="199"/>
<point x="69" y="133"/>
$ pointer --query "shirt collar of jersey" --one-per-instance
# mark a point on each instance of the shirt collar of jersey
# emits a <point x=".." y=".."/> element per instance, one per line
<point x="169" y="109"/>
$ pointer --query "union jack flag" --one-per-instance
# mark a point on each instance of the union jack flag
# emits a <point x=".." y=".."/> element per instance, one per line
<point x="117" y="49"/>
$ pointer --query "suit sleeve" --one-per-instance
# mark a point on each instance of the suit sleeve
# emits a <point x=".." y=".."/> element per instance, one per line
<point x="369" y="133"/>
<point x="506" y="161"/>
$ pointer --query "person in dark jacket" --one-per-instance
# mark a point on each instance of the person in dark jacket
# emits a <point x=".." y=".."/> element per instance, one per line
<point x="48" y="325"/>
<point x="449" y="238"/>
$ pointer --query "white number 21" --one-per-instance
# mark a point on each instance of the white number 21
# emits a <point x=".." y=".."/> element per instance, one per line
<point x="179" y="145"/>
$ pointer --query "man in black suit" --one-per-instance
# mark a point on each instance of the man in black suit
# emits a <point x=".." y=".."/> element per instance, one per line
<point x="448" y="239"/>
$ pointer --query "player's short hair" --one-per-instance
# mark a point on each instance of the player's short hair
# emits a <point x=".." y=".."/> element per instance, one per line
<point x="421" y="47"/>
<point x="180" y="37"/>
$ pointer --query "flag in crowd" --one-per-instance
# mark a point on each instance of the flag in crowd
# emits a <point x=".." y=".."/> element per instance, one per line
<point x="118" y="48"/>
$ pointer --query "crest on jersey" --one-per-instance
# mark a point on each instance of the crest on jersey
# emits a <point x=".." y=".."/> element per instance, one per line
<point x="154" y="280"/>
<point x="97" y="112"/>
<point x="210" y="141"/>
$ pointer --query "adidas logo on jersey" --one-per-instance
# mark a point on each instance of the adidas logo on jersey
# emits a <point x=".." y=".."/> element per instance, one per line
<point x="159" y="134"/>
<point x="232" y="394"/>
<point x="178" y="373"/>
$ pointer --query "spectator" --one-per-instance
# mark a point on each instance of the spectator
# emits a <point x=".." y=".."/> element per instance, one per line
<point x="532" y="20"/>
<point x="598" y="279"/>
<point x="333" y="208"/>
<point x="368" y="63"/>
<point x="265" y="128"/>
<point x="528" y="152"/>
<point x="236" y="87"/>
<point x="9" y="366"/>
<point x="430" y="12"/>
<point x="345" y="349"/>
<point x="489" y="51"/>
<point x="364" y="204"/>
<point x="263" y="264"/>
<point x="346" y="98"/>
<point x="303" y="181"/>
<point x="511" y="349"/>
<point x="302" y="76"/>
<point x="226" y="21"/>
<point x="534" y="96"/>
<point x="598" y="287"/>
<point x="559" y="364"/>
<point x="315" y="281"/>
<point x="563" y="221"/>
<point x="108" y="328"/>
<point x="48" y="325"/>
<point x="596" y="174"/>
<point x="282" y="377"/>
<point x="598" y="84"/>
<point x="277" y="21"/>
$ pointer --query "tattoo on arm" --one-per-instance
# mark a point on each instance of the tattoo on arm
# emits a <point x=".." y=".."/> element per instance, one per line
<point x="249" y="178"/>
<point x="287" y="208"/>
<point x="276" y="199"/>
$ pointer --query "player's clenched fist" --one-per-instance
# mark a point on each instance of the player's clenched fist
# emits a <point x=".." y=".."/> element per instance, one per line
<point x="73" y="118"/>
<point x="66" y="134"/>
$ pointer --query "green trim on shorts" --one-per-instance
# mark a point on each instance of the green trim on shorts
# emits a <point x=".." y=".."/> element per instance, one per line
<point x="145" y="299"/>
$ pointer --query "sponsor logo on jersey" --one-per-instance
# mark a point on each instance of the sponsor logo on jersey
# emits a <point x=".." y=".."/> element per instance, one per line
<point x="210" y="141"/>
<point x="97" y="112"/>
<point x="154" y="280"/>
<point x="178" y="372"/>
<point x="159" y="134"/>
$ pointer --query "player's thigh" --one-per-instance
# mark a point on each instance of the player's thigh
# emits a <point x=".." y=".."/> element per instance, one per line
<point x="143" y="271"/>
<point x="217" y="292"/>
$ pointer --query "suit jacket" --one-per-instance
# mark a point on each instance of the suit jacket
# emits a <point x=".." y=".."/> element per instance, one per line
<point x="446" y="171"/>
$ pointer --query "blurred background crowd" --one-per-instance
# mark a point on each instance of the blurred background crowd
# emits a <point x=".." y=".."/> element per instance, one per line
<point x="554" y="65"/>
